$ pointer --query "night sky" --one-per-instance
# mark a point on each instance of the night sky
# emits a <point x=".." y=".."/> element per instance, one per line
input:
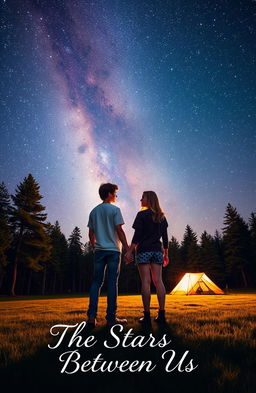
<point x="150" y="95"/>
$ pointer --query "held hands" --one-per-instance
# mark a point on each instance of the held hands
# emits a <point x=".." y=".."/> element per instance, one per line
<point x="128" y="258"/>
<point x="92" y="247"/>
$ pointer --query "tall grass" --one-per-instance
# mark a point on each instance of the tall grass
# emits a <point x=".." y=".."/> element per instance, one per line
<point x="218" y="330"/>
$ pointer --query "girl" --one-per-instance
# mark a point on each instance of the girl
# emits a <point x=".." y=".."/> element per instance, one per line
<point x="150" y="226"/>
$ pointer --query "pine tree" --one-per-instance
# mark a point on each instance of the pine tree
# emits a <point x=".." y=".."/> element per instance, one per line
<point x="237" y="245"/>
<point x="75" y="257"/>
<point x="31" y="242"/>
<point x="55" y="269"/>
<point x="5" y="231"/>
<point x="190" y="251"/>
<point x="252" y="228"/>
<point x="219" y="246"/>
<point x="88" y="266"/>
<point x="210" y="261"/>
<point x="218" y="241"/>
<point x="173" y="272"/>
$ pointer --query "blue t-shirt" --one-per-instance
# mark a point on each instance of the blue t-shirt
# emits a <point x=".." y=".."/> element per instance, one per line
<point x="102" y="220"/>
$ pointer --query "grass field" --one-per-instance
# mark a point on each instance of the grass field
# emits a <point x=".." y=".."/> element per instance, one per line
<point x="218" y="331"/>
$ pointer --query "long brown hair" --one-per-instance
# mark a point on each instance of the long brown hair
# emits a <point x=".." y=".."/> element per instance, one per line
<point x="154" y="206"/>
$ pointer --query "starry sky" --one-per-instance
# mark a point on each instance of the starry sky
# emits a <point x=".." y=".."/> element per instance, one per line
<point x="150" y="95"/>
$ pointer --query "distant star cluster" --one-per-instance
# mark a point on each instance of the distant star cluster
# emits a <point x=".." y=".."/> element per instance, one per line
<point x="148" y="95"/>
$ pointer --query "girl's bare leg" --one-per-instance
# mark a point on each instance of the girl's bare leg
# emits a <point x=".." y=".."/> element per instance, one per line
<point x="144" y="270"/>
<point x="156" y="270"/>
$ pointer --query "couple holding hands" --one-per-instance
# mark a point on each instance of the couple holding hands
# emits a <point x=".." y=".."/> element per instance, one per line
<point x="107" y="237"/>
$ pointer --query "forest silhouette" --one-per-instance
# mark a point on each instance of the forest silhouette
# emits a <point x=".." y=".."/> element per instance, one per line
<point x="37" y="259"/>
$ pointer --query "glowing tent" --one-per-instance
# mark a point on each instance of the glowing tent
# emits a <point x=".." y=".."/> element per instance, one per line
<point x="196" y="284"/>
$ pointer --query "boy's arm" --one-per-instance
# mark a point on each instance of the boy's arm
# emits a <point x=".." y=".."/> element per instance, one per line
<point x="92" y="238"/>
<point x="122" y="237"/>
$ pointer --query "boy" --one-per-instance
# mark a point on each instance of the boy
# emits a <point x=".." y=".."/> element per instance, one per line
<point x="106" y="237"/>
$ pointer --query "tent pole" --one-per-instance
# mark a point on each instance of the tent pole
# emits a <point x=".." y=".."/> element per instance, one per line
<point x="188" y="284"/>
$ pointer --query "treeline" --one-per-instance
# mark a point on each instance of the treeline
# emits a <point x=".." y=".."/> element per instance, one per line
<point x="36" y="258"/>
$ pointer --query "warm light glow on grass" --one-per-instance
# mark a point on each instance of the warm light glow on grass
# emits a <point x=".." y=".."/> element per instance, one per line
<point x="25" y="324"/>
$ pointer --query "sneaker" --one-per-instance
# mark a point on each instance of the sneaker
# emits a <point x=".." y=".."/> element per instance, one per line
<point x="161" y="317"/>
<point x="146" y="319"/>
<point x="112" y="322"/>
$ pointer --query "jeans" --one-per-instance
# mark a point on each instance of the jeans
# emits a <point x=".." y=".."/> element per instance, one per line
<point x="111" y="260"/>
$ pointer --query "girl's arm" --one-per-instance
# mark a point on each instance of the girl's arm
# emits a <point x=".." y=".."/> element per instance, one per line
<point x="165" y="245"/>
<point x="166" y="257"/>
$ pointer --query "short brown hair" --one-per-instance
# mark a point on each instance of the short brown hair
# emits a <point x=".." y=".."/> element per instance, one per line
<point x="107" y="188"/>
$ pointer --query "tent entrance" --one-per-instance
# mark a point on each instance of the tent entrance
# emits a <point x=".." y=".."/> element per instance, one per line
<point x="201" y="288"/>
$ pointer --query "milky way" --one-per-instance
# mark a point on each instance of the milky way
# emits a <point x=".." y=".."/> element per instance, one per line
<point x="146" y="95"/>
